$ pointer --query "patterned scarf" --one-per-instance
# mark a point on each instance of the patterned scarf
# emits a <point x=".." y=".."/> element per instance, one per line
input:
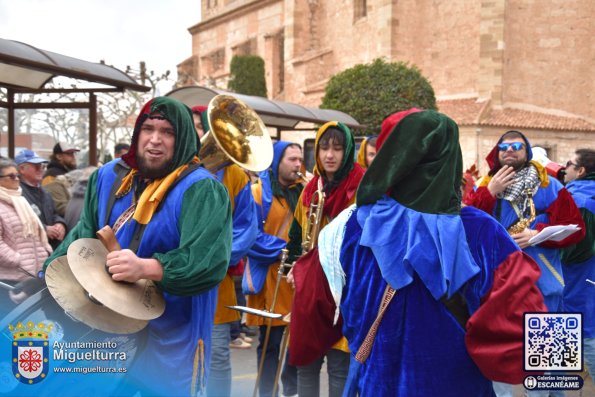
<point x="31" y="224"/>
<point x="526" y="180"/>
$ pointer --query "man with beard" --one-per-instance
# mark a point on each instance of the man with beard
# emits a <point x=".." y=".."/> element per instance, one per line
<point x="61" y="161"/>
<point x="173" y="222"/>
<point x="276" y="194"/>
<point x="521" y="196"/>
<point x="514" y="184"/>
<point x="55" y="181"/>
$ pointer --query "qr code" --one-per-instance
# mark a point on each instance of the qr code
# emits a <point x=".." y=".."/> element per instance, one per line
<point x="553" y="342"/>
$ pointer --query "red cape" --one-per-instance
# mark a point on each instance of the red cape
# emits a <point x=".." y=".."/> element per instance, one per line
<point x="311" y="327"/>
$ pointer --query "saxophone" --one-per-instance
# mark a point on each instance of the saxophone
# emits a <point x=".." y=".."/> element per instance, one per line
<point x="313" y="223"/>
<point x="524" y="223"/>
<point x="312" y="229"/>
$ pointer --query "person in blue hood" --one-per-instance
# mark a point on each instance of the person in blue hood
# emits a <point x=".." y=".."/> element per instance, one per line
<point x="276" y="194"/>
<point x="579" y="260"/>
<point x="521" y="196"/>
<point x="514" y="185"/>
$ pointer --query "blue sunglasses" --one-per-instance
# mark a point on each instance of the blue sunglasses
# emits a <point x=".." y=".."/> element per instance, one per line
<point x="516" y="146"/>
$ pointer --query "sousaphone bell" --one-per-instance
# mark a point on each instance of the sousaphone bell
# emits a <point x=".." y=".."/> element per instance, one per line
<point x="237" y="134"/>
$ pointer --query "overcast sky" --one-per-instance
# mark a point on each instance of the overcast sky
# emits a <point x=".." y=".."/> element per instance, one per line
<point x="121" y="32"/>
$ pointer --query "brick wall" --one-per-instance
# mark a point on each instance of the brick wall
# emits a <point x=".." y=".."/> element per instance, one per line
<point x="550" y="54"/>
<point x="511" y="51"/>
<point x="535" y="55"/>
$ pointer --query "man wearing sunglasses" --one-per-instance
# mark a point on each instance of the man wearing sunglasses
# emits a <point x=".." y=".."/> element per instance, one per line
<point x="579" y="260"/>
<point x="515" y="187"/>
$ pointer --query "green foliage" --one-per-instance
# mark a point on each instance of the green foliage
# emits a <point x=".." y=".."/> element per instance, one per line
<point x="371" y="92"/>
<point x="247" y="75"/>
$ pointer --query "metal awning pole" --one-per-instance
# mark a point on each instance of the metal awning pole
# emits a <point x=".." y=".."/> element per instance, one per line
<point x="11" y="126"/>
<point x="92" y="129"/>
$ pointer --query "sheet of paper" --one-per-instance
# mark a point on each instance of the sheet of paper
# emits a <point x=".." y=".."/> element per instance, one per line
<point x="554" y="233"/>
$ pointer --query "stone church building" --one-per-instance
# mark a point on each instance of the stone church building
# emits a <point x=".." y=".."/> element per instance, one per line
<point x="495" y="65"/>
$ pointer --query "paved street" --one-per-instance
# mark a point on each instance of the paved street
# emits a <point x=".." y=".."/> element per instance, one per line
<point x="244" y="369"/>
<point x="243" y="363"/>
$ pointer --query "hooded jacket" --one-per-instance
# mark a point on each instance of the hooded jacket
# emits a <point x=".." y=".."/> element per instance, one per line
<point x="339" y="195"/>
<point x="361" y="153"/>
<point x="579" y="260"/>
<point x="188" y="230"/>
<point x="275" y="213"/>
<point x="408" y="234"/>
<point x="346" y="179"/>
<point x="553" y="205"/>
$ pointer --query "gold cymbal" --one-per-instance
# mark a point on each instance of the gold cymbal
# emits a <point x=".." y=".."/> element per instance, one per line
<point x="75" y="301"/>
<point x="141" y="300"/>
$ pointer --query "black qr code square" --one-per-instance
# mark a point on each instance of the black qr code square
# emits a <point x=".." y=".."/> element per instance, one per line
<point x="553" y="342"/>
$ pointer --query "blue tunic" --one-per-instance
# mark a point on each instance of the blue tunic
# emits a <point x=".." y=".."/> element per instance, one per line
<point x="420" y="348"/>
<point x="166" y="364"/>
<point x="579" y="295"/>
<point x="551" y="282"/>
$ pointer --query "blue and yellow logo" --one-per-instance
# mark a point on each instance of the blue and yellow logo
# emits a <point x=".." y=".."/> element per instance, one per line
<point x="30" y="351"/>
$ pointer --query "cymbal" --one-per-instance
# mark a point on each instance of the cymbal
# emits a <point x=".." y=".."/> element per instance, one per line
<point x="140" y="300"/>
<point x="75" y="301"/>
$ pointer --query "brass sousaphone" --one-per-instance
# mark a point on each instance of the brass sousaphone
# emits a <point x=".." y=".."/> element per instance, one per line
<point x="236" y="134"/>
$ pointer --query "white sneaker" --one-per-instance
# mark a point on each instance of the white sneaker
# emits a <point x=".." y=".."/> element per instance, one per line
<point x="239" y="343"/>
<point x="245" y="338"/>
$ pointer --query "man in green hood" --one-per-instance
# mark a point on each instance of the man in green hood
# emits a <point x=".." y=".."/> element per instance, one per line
<point x="173" y="222"/>
<point x="430" y="296"/>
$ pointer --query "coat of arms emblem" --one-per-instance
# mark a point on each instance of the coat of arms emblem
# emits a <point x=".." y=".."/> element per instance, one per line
<point x="30" y="351"/>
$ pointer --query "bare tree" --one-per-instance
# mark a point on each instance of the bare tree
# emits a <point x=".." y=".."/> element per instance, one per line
<point x="116" y="112"/>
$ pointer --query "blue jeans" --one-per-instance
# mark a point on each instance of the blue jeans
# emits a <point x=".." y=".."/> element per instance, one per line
<point x="337" y="367"/>
<point x="219" y="380"/>
<point x="271" y="362"/>
<point x="502" y="389"/>
<point x="589" y="355"/>
<point x="235" y="330"/>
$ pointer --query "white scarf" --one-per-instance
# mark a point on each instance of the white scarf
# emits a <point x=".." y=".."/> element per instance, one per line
<point x="31" y="224"/>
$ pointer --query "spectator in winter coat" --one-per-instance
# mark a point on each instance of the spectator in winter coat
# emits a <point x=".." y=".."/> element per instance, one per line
<point x="23" y="241"/>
